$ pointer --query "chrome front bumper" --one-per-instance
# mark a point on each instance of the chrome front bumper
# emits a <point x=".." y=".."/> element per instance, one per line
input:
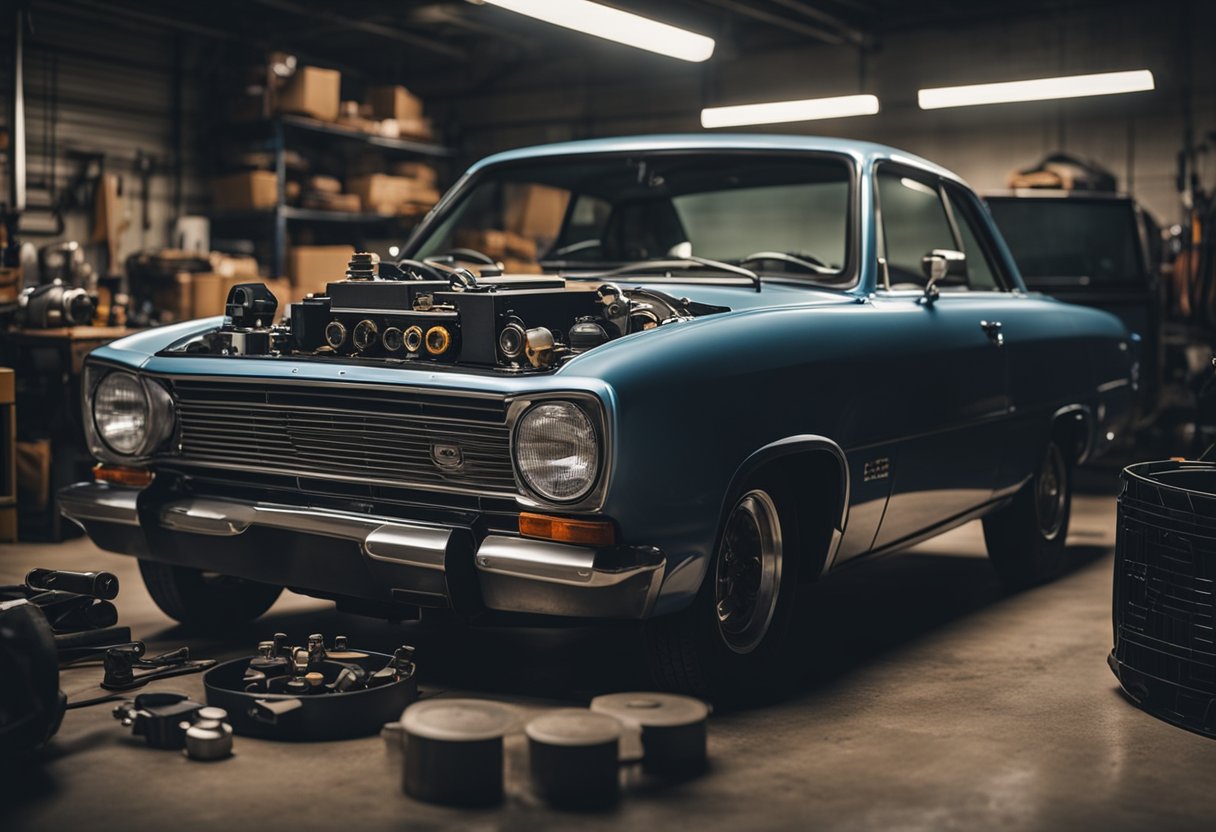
<point x="402" y="560"/>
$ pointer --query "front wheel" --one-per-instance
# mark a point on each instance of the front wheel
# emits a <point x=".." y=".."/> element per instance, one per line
<point x="729" y="643"/>
<point x="205" y="601"/>
<point x="1026" y="538"/>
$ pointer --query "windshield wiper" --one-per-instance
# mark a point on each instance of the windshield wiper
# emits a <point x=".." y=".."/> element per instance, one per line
<point x="687" y="262"/>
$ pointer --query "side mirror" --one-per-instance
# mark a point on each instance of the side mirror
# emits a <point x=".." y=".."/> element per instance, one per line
<point x="938" y="265"/>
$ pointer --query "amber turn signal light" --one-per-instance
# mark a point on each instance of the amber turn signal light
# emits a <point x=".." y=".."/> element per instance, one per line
<point x="565" y="530"/>
<point x="121" y="475"/>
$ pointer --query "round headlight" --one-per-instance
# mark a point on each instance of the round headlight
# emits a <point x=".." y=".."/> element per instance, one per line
<point x="121" y="412"/>
<point x="557" y="451"/>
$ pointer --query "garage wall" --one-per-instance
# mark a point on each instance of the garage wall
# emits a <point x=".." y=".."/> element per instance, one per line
<point x="616" y="91"/>
<point x="107" y="87"/>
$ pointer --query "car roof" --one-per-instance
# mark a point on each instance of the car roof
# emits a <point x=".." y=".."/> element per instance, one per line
<point x="861" y="152"/>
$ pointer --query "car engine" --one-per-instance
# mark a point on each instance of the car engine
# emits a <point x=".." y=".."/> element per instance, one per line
<point x="425" y="311"/>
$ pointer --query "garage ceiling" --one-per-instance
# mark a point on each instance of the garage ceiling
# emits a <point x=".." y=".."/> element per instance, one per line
<point x="451" y="46"/>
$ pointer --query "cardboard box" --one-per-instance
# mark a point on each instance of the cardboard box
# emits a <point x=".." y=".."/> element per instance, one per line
<point x="512" y="266"/>
<point x="253" y="190"/>
<point x="323" y="184"/>
<point x="408" y="128"/>
<point x="208" y="291"/>
<point x="416" y="170"/>
<point x="242" y="266"/>
<point x="394" y="102"/>
<point x="535" y="211"/>
<point x="34" y="473"/>
<point x="176" y="302"/>
<point x="387" y="194"/>
<point x="501" y="245"/>
<point x="350" y="203"/>
<point x="311" y="267"/>
<point x="311" y="91"/>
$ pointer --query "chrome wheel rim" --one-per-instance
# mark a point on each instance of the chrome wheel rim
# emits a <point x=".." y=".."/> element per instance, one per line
<point x="1050" y="493"/>
<point x="748" y="573"/>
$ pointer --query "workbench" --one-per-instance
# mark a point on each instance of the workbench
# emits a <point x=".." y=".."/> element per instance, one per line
<point x="51" y="448"/>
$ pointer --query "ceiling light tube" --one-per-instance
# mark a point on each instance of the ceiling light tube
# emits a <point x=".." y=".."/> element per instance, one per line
<point x="1040" y="89"/>
<point x="615" y="25"/>
<point x="777" y="112"/>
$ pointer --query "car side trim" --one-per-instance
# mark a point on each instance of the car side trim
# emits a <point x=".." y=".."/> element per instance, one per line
<point x="801" y="443"/>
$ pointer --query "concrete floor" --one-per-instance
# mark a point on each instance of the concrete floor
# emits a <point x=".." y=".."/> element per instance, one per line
<point x="929" y="701"/>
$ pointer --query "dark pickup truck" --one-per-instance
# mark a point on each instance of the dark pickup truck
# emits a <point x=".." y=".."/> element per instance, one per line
<point x="1094" y="249"/>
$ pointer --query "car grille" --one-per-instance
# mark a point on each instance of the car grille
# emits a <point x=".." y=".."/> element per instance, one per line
<point x="372" y="434"/>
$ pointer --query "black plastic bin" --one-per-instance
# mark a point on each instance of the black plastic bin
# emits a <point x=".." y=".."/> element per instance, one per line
<point x="1164" y="602"/>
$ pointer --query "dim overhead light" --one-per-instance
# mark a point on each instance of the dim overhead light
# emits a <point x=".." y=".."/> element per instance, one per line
<point x="776" y="112"/>
<point x="615" y="25"/>
<point x="1039" y="89"/>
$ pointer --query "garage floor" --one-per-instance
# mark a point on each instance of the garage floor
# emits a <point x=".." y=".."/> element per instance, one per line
<point x="931" y="701"/>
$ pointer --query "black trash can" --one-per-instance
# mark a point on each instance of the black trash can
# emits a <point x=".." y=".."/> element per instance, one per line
<point x="1165" y="592"/>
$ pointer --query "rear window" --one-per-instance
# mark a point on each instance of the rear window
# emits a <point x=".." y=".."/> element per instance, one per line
<point x="1065" y="242"/>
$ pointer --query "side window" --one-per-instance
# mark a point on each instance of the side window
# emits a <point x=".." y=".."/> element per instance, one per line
<point x="914" y="223"/>
<point x="980" y="273"/>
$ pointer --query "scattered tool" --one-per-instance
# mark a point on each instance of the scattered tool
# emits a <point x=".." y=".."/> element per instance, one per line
<point x="209" y="736"/>
<point x="122" y="661"/>
<point x="307" y="693"/>
<point x="160" y="717"/>
<point x="72" y="602"/>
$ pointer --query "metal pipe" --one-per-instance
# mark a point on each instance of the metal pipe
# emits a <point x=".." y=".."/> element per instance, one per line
<point x="852" y="33"/>
<point x="777" y="20"/>
<point x="346" y="22"/>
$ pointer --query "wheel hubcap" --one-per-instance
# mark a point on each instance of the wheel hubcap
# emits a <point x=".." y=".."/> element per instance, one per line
<point x="1051" y="493"/>
<point x="748" y="572"/>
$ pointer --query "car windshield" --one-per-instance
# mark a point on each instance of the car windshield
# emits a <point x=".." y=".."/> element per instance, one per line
<point x="589" y="213"/>
<point x="1065" y="241"/>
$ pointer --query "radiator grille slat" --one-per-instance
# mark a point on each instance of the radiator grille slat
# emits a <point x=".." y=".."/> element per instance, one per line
<point x="375" y="433"/>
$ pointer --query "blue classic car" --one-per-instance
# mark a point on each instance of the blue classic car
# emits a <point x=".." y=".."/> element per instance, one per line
<point x="665" y="378"/>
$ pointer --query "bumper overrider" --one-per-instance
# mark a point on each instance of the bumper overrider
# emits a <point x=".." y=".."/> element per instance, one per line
<point x="340" y="554"/>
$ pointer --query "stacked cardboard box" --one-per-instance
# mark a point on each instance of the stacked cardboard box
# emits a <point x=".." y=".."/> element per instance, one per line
<point x="311" y="91"/>
<point x="253" y="190"/>
<point x="311" y="267"/>
<point x="399" y="113"/>
<point x="394" y="195"/>
<point x="516" y="252"/>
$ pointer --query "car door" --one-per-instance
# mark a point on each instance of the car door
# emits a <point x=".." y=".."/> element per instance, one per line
<point x="947" y="384"/>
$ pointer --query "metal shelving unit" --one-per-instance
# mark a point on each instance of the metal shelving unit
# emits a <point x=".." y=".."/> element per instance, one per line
<point x="277" y="219"/>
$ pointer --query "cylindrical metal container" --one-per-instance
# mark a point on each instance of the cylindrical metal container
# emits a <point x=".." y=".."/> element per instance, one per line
<point x="672" y="727"/>
<point x="453" y="751"/>
<point x="574" y="756"/>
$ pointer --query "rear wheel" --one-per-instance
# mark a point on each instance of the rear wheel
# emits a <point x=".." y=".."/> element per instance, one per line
<point x="729" y="644"/>
<point x="1026" y="538"/>
<point x="206" y="601"/>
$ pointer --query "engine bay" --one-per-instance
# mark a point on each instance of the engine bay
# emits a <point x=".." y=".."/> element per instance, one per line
<point x="418" y="311"/>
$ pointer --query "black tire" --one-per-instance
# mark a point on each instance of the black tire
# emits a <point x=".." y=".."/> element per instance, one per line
<point x="696" y="652"/>
<point x="204" y="601"/>
<point x="1026" y="538"/>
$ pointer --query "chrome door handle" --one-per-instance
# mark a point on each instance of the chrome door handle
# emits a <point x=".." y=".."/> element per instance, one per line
<point x="993" y="330"/>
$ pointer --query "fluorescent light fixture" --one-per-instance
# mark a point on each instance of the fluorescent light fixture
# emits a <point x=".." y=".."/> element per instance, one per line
<point x="616" y="25"/>
<point x="776" y="112"/>
<point x="1040" y="89"/>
